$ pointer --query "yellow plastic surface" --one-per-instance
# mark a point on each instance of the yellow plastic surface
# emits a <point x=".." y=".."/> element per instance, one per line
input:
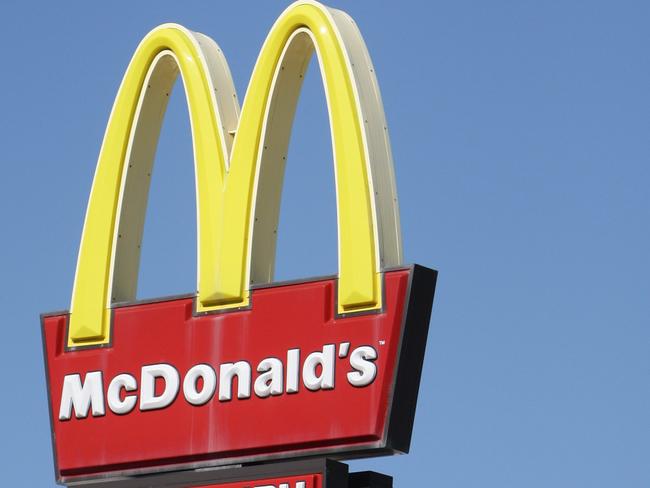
<point x="226" y="197"/>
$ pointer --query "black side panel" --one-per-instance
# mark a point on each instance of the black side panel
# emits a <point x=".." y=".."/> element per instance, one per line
<point x="336" y="474"/>
<point x="414" y="340"/>
<point x="369" y="479"/>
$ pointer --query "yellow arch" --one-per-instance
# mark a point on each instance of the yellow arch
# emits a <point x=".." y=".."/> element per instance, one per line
<point x="229" y="187"/>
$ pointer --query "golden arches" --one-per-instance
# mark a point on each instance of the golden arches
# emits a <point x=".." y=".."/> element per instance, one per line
<point x="231" y="182"/>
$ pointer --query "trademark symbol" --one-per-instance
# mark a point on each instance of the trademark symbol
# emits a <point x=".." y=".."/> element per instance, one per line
<point x="381" y="343"/>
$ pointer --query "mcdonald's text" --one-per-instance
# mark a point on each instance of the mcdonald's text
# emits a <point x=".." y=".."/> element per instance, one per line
<point x="160" y="384"/>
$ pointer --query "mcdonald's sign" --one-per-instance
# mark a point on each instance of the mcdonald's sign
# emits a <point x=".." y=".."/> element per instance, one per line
<point x="244" y="370"/>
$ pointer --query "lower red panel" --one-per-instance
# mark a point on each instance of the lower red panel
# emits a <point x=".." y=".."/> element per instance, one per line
<point x="332" y="384"/>
<point x="306" y="481"/>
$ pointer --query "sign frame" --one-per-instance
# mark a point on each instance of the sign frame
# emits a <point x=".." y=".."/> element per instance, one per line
<point x="401" y="403"/>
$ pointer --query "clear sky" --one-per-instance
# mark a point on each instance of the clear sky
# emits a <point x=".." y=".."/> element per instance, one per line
<point x="520" y="134"/>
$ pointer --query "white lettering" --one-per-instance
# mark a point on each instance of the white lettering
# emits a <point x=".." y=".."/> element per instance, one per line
<point x="270" y="382"/>
<point x="115" y="403"/>
<point x="227" y="372"/>
<point x="190" y="383"/>
<point x="325" y="359"/>
<point x="293" y="370"/>
<point x="159" y="384"/>
<point x="148" y="398"/>
<point x="82" y="397"/>
<point x="365" y="370"/>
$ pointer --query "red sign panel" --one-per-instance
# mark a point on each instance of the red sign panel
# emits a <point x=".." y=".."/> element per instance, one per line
<point x="286" y="376"/>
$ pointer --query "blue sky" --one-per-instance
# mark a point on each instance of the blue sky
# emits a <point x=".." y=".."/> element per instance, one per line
<point x="520" y="140"/>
